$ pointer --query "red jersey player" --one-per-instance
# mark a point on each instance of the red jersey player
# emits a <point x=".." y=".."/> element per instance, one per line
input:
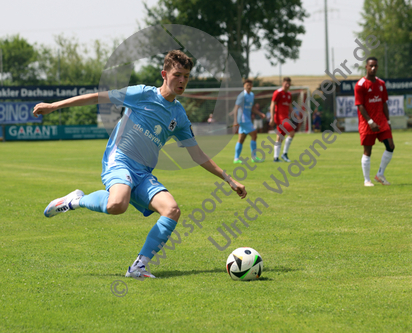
<point x="371" y="97"/>
<point x="280" y="109"/>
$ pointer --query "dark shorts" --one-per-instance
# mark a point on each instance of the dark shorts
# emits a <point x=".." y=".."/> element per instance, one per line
<point x="369" y="139"/>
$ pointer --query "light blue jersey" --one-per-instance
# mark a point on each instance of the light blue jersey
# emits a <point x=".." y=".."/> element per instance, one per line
<point x="245" y="103"/>
<point x="148" y="123"/>
<point x="133" y="149"/>
<point x="244" y="113"/>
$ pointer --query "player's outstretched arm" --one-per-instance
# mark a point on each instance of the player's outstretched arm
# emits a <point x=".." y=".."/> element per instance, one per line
<point x="204" y="161"/>
<point x="88" y="99"/>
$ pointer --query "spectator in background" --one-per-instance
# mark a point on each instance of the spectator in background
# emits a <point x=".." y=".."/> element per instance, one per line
<point x="210" y="119"/>
<point x="298" y="116"/>
<point x="316" y="121"/>
<point x="267" y="127"/>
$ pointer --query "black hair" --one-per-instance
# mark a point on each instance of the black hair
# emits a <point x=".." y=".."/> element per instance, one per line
<point x="371" y="58"/>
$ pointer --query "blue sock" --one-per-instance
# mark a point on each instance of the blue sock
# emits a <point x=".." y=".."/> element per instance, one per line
<point x="158" y="235"/>
<point x="96" y="201"/>
<point x="253" y="148"/>
<point x="238" y="149"/>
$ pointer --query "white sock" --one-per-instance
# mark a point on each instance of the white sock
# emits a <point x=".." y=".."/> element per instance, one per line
<point x="366" y="167"/>
<point x="386" y="158"/>
<point x="75" y="203"/>
<point x="140" y="260"/>
<point x="277" y="149"/>
<point x="287" y="145"/>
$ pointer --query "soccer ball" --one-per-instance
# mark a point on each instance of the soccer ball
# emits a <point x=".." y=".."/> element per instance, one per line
<point x="244" y="264"/>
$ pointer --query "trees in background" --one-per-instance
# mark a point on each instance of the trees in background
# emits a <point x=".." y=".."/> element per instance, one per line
<point x="19" y="61"/>
<point x="67" y="64"/>
<point x="391" y="22"/>
<point x="244" y="26"/>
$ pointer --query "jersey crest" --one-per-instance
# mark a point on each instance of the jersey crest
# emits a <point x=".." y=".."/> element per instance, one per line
<point x="172" y="125"/>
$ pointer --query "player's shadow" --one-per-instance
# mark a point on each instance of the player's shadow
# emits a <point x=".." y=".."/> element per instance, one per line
<point x="167" y="274"/>
<point x="170" y="274"/>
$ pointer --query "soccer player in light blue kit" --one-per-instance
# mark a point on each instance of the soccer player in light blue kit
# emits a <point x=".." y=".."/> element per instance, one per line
<point x="152" y="116"/>
<point x="243" y="118"/>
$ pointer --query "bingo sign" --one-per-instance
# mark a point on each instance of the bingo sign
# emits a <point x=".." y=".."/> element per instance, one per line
<point x="18" y="113"/>
<point x="346" y="108"/>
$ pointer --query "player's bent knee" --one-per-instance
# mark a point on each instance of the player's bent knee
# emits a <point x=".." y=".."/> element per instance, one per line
<point x="116" y="208"/>
<point x="390" y="146"/>
<point x="172" y="212"/>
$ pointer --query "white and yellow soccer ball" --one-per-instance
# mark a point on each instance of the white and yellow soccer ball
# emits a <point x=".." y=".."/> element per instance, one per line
<point x="244" y="264"/>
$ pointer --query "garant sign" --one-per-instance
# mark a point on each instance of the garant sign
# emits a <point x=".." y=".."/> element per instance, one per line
<point x="54" y="132"/>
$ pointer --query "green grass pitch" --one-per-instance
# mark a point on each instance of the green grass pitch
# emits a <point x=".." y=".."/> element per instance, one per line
<point x="337" y="255"/>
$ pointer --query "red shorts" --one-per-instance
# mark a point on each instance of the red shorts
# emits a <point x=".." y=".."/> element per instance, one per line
<point x="285" y="125"/>
<point x="369" y="139"/>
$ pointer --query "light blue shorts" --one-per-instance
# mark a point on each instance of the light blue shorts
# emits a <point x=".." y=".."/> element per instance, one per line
<point x="143" y="184"/>
<point x="246" y="128"/>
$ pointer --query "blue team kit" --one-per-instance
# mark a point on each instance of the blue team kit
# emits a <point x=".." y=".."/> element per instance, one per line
<point x="133" y="149"/>
<point x="244" y="113"/>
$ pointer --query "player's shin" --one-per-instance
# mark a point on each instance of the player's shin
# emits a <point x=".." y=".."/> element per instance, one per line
<point x="238" y="150"/>
<point x="288" y="142"/>
<point x="366" y="167"/>
<point x="96" y="201"/>
<point x="277" y="147"/>
<point x="386" y="158"/>
<point x="253" y="148"/>
<point x="158" y="236"/>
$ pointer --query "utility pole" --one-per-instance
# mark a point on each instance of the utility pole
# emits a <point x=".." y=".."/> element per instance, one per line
<point x="386" y="60"/>
<point x="326" y="36"/>
<point x="58" y="80"/>
<point x="280" y="72"/>
<point x="58" y="66"/>
<point x="1" y="66"/>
